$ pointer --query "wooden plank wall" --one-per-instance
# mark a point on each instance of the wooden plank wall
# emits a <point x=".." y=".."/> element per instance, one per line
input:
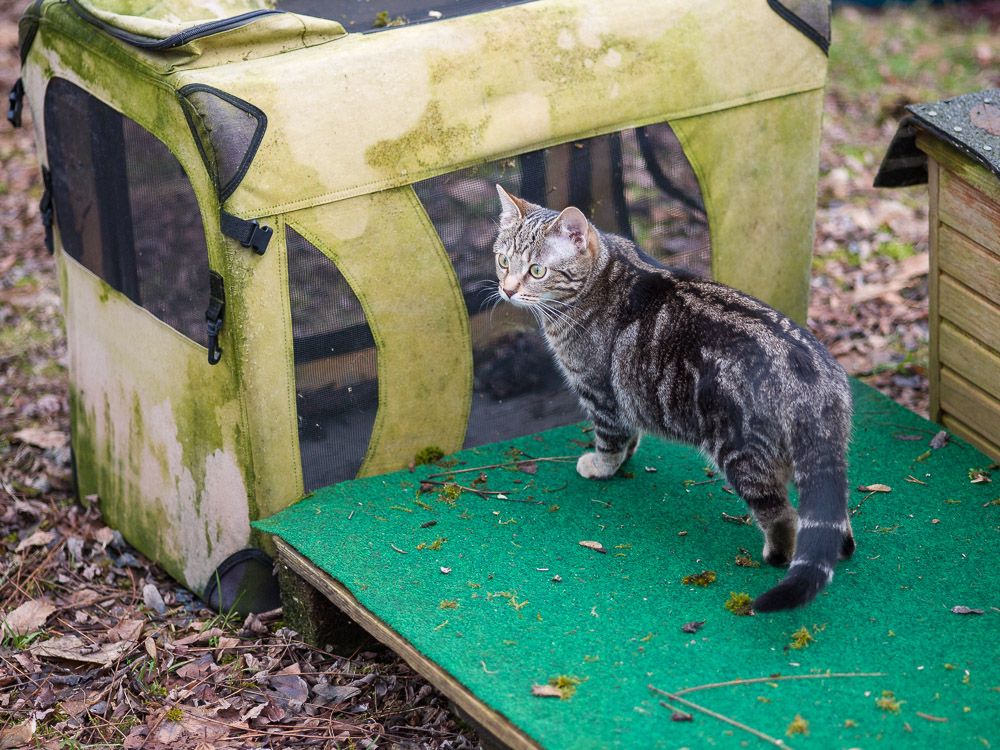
<point x="964" y="290"/>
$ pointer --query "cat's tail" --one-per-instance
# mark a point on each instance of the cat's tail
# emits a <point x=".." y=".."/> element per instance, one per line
<point x="823" y="536"/>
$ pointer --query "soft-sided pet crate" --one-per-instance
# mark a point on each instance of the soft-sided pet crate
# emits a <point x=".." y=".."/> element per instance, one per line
<point x="324" y="190"/>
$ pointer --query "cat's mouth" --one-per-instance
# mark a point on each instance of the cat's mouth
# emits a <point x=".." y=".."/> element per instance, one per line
<point x="515" y="297"/>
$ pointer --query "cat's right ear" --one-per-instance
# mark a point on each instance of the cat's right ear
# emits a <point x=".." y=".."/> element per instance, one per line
<point x="510" y="208"/>
<point x="572" y="230"/>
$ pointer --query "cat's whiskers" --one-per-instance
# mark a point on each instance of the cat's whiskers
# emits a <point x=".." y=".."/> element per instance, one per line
<point x="560" y="315"/>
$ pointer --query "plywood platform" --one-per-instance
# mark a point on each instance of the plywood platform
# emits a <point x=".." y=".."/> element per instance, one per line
<point x="491" y="595"/>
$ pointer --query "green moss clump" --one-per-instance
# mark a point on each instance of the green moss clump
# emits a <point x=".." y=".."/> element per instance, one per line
<point x="740" y="604"/>
<point x="801" y="638"/>
<point x="566" y="685"/>
<point x="799" y="726"/>
<point x="175" y="714"/>
<point x="888" y="702"/>
<point x="428" y="455"/>
<point x="702" y="579"/>
<point x="382" y="20"/>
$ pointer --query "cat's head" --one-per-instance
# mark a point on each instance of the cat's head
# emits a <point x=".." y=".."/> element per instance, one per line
<point x="541" y="255"/>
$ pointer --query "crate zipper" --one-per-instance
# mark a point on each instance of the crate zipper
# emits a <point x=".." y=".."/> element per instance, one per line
<point x="176" y="40"/>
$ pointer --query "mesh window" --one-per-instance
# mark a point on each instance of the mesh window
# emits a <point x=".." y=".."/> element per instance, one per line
<point x="637" y="183"/>
<point x="361" y="15"/>
<point x="336" y="381"/>
<point x="228" y="131"/>
<point x="125" y="208"/>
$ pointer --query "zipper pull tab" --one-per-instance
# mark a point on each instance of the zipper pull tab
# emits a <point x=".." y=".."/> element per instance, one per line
<point x="214" y="315"/>
<point x="15" y="103"/>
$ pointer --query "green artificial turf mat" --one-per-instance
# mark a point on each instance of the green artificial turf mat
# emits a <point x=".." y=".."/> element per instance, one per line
<point x="499" y="623"/>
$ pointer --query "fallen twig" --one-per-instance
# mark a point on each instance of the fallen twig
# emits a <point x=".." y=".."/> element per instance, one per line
<point x="752" y="680"/>
<point x="502" y="466"/>
<point x="481" y="493"/>
<point x="732" y="722"/>
<point x="707" y="481"/>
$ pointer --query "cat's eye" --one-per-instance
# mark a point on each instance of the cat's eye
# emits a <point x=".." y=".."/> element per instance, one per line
<point x="503" y="261"/>
<point x="536" y="270"/>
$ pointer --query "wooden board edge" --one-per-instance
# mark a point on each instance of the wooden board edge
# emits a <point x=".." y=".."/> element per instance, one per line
<point x="970" y="405"/>
<point x="955" y="161"/>
<point x="502" y="729"/>
<point x="969" y="435"/>
<point x="934" y="319"/>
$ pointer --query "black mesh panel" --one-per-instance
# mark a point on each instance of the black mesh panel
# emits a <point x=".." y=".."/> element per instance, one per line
<point x="125" y="208"/>
<point x="637" y="183"/>
<point x="228" y="130"/>
<point x="362" y="15"/>
<point x="336" y="382"/>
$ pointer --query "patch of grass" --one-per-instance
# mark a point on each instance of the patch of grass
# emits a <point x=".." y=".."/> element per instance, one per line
<point x="896" y="250"/>
<point x="898" y="55"/>
<point x="18" y="641"/>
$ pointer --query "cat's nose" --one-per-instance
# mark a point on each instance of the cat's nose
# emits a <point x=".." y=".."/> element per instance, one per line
<point x="509" y="292"/>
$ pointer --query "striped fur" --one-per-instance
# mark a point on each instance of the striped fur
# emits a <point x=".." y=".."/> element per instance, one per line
<point x="658" y="350"/>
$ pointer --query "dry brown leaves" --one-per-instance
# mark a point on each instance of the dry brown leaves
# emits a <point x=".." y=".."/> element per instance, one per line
<point x="84" y="658"/>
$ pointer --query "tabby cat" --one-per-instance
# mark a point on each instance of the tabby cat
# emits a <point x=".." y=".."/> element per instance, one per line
<point x="648" y="348"/>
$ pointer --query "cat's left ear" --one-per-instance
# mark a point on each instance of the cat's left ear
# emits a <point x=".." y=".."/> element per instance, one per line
<point x="572" y="230"/>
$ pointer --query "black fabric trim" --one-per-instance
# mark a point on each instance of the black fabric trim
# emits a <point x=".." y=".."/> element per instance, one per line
<point x="811" y="33"/>
<point x="229" y="188"/>
<point x="618" y="185"/>
<point x="31" y="18"/>
<point x="175" y="40"/>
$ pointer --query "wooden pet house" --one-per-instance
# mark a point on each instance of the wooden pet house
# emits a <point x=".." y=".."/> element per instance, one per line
<point x="954" y="146"/>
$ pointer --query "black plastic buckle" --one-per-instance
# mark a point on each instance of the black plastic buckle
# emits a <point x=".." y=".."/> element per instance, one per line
<point x="214" y="316"/>
<point x="214" y="350"/>
<point x="259" y="238"/>
<point x="15" y="103"/>
<point x="45" y="208"/>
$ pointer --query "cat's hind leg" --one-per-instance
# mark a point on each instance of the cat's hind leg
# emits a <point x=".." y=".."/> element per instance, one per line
<point x="612" y="448"/>
<point x="764" y="487"/>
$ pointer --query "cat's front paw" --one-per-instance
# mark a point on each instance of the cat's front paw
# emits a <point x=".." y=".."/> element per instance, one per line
<point x="595" y="466"/>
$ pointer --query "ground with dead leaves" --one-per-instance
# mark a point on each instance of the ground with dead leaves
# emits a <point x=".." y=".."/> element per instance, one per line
<point x="100" y="647"/>
<point x="103" y="649"/>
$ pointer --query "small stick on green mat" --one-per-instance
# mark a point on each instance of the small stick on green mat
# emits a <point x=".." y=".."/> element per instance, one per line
<point x="481" y="493"/>
<point x="486" y="494"/>
<point x="501" y="466"/>
<point x="776" y="679"/>
<point x="720" y="717"/>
